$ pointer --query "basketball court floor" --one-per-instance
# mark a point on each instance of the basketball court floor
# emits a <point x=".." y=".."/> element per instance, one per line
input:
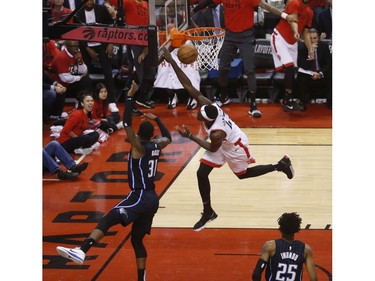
<point x="228" y="249"/>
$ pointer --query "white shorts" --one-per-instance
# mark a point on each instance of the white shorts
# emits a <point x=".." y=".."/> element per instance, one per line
<point x="283" y="53"/>
<point x="238" y="157"/>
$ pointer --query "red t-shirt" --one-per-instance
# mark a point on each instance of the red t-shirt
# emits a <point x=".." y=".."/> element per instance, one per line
<point x="135" y="13"/>
<point x="63" y="63"/>
<point x="305" y="16"/>
<point x="238" y="14"/>
<point x="99" y="110"/>
<point x="77" y="123"/>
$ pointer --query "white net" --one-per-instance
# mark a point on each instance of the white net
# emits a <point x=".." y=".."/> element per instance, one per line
<point x="208" y="41"/>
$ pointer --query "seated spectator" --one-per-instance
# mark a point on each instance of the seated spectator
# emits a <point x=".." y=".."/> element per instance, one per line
<point x="50" y="90"/>
<point x="69" y="69"/>
<point x="111" y="9"/>
<point x="315" y="73"/>
<point x="78" y="134"/>
<point x="58" y="11"/>
<point x="108" y="122"/>
<point x="54" y="150"/>
<point x="325" y="22"/>
<point x="96" y="52"/>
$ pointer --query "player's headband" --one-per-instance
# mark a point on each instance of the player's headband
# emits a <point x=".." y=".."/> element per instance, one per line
<point x="204" y="114"/>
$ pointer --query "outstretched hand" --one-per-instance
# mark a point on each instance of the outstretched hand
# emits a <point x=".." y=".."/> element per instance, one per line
<point x="185" y="132"/>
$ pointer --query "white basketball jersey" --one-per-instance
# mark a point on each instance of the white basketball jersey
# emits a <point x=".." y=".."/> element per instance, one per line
<point x="224" y="123"/>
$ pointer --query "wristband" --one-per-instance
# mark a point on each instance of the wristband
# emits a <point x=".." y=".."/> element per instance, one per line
<point x="129" y="98"/>
<point x="284" y="15"/>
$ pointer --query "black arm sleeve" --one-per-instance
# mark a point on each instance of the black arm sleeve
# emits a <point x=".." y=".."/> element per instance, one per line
<point x="163" y="129"/>
<point x="202" y="5"/>
<point x="257" y="273"/>
<point x="127" y="117"/>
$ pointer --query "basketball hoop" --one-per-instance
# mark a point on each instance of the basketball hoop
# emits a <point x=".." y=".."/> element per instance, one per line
<point x="207" y="40"/>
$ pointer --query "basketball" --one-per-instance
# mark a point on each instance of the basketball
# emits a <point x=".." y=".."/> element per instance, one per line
<point x="187" y="54"/>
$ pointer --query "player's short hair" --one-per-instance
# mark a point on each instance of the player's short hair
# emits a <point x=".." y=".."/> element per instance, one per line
<point x="289" y="223"/>
<point x="146" y="130"/>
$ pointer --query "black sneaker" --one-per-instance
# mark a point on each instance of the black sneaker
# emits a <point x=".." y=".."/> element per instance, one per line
<point x="292" y="106"/>
<point x="225" y="101"/>
<point x="145" y="103"/>
<point x="191" y="104"/>
<point x="136" y="112"/>
<point x="66" y="175"/>
<point x="255" y="112"/>
<point x="204" y="220"/>
<point x="285" y="166"/>
<point x="172" y="102"/>
<point x="79" y="168"/>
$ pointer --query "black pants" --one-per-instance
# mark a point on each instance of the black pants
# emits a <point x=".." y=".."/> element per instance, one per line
<point x="81" y="141"/>
<point x="106" y="68"/>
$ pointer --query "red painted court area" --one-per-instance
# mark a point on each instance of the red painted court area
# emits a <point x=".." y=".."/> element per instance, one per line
<point x="72" y="209"/>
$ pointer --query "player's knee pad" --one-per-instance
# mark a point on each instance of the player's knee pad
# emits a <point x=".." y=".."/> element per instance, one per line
<point x="108" y="221"/>
<point x="138" y="246"/>
<point x="289" y="77"/>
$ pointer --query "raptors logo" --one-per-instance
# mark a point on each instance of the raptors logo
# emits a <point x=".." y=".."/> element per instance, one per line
<point x="88" y="33"/>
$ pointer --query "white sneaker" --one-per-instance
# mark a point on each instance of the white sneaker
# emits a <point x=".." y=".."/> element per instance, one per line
<point x="113" y="107"/>
<point x="85" y="151"/>
<point x="95" y="145"/>
<point x="172" y="103"/>
<point x="76" y="254"/>
<point x="120" y="125"/>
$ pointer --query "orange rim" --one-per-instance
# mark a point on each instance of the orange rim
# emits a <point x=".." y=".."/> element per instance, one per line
<point x="192" y="34"/>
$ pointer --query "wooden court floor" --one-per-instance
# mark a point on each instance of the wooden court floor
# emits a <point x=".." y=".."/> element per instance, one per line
<point x="248" y="209"/>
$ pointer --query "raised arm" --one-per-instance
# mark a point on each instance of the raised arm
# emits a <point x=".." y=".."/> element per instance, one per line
<point x="137" y="147"/>
<point x="166" y="135"/>
<point x="185" y="81"/>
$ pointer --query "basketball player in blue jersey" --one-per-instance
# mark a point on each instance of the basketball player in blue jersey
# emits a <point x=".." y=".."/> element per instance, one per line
<point x="283" y="258"/>
<point x="228" y="144"/>
<point x="142" y="203"/>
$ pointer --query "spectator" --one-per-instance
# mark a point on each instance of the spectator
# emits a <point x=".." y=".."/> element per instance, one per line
<point x="141" y="205"/>
<point x="317" y="73"/>
<point x="325" y="22"/>
<point x="50" y="90"/>
<point x="72" y="4"/>
<point x="239" y="22"/>
<point x="284" y="46"/>
<point x="54" y="150"/>
<point x="317" y="6"/>
<point x="108" y="122"/>
<point x="137" y="14"/>
<point x="93" y="52"/>
<point x="212" y="16"/>
<point x="274" y="253"/>
<point x="69" y="69"/>
<point x="228" y="144"/>
<point x="77" y="134"/>
<point x="58" y="11"/>
<point x="111" y="9"/>
<point x="50" y="50"/>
